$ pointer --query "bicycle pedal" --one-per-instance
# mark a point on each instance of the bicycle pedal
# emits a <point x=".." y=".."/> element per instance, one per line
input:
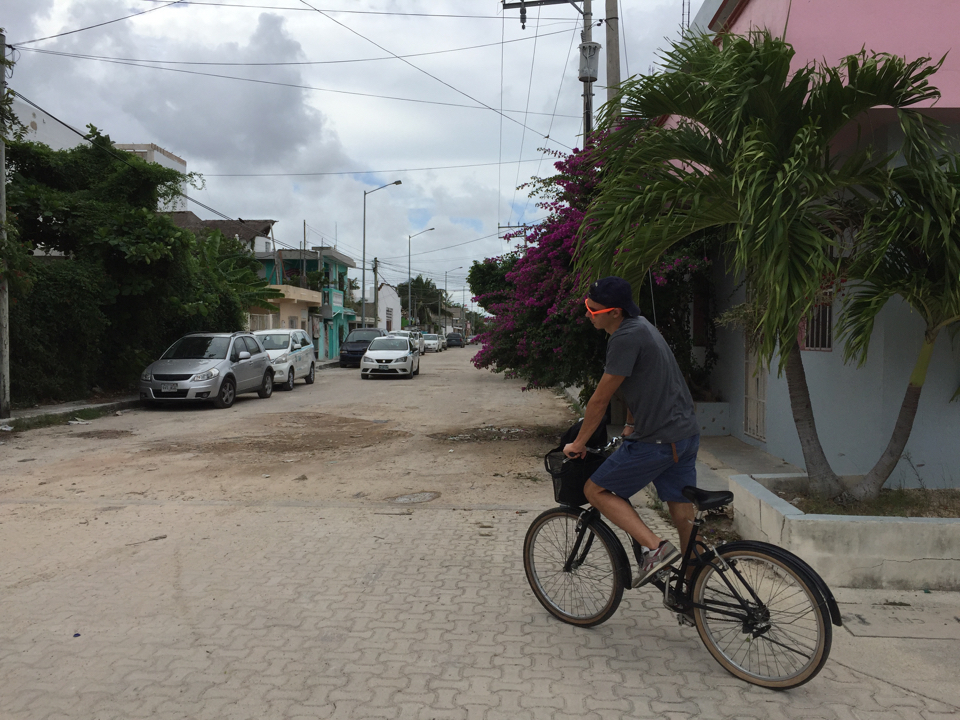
<point x="685" y="620"/>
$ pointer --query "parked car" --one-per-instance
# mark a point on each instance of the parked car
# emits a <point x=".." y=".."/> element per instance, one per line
<point x="292" y="355"/>
<point x="397" y="356"/>
<point x="473" y="340"/>
<point x="431" y="342"/>
<point x="443" y="341"/>
<point x="353" y="348"/>
<point x="454" y="339"/>
<point x="415" y="335"/>
<point x="215" y="367"/>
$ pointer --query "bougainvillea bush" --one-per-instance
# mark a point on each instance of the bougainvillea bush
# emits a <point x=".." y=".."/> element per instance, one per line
<point x="539" y="331"/>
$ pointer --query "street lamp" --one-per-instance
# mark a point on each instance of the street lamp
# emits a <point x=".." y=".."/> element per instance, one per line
<point x="363" y="272"/>
<point x="410" y="277"/>
<point x="445" y="293"/>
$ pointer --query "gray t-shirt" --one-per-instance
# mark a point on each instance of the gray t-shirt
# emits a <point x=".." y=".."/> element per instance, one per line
<point x="653" y="386"/>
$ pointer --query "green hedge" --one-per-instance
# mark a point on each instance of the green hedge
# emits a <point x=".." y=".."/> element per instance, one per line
<point x="56" y="329"/>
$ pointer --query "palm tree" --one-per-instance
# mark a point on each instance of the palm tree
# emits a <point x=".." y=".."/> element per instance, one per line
<point x="748" y="148"/>
<point x="910" y="248"/>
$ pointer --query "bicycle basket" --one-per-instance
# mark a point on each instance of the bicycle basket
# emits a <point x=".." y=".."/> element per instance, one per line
<point x="570" y="475"/>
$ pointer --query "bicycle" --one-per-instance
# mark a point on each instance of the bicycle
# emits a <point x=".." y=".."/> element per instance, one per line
<point x="761" y="611"/>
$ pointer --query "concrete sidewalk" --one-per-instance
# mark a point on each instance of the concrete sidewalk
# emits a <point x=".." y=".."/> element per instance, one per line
<point x="910" y="640"/>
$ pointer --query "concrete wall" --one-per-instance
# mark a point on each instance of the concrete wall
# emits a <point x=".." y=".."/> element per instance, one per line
<point x="827" y="30"/>
<point x="855" y="408"/>
<point x="42" y="128"/>
<point x="850" y="550"/>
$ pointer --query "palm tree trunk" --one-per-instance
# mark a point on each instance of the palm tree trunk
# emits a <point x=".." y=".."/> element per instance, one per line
<point x="869" y="487"/>
<point x="823" y="481"/>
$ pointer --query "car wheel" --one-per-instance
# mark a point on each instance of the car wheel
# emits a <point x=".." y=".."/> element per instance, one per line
<point x="266" y="387"/>
<point x="288" y="385"/>
<point x="226" y="394"/>
<point x="417" y="371"/>
<point x="312" y="375"/>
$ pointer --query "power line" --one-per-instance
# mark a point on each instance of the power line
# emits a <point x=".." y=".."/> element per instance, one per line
<point x="118" y="156"/>
<point x="285" y="64"/>
<point x="523" y="135"/>
<point x="372" y="172"/>
<point x="347" y="12"/>
<point x="91" y="27"/>
<point x="430" y="75"/>
<point x="426" y="252"/>
<point x="281" y="84"/>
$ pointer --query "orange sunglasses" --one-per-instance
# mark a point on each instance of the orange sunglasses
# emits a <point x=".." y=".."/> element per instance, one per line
<point x="594" y="313"/>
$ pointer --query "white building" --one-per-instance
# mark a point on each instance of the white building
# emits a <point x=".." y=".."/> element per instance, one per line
<point x="165" y="158"/>
<point x="43" y="128"/>
<point x="387" y="302"/>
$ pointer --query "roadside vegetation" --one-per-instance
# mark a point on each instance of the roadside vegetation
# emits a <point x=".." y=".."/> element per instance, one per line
<point x="100" y="282"/>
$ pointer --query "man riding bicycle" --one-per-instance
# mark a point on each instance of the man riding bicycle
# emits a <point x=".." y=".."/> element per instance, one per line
<point x="661" y="436"/>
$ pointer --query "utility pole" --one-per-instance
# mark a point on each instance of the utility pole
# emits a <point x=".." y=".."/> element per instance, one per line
<point x="303" y="257"/>
<point x="613" y="49"/>
<point x="376" y="295"/>
<point x="589" y="50"/>
<point x="4" y="288"/>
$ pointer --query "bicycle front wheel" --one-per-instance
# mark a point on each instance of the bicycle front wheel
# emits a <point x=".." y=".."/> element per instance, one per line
<point x="761" y="617"/>
<point x="578" y="577"/>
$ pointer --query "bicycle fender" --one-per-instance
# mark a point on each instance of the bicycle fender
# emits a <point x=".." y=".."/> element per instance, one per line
<point x="815" y="580"/>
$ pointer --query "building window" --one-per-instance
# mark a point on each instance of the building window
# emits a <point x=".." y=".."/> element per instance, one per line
<point x="816" y="330"/>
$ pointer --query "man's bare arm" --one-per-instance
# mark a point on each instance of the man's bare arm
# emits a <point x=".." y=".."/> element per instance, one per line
<point x="594" y="413"/>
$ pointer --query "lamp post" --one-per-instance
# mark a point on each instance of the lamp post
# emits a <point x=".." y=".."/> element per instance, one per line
<point x="363" y="272"/>
<point x="409" y="276"/>
<point x="445" y="293"/>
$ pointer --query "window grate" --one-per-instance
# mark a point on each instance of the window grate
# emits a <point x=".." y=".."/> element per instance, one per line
<point x="816" y="330"/>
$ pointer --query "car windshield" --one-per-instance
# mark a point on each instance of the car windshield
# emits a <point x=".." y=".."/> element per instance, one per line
<point x="453" y="335"/>
<point x="388" y="343"/>
<point x="198" y="347"/>
<point x="363" y="335"/>
<point x="276" y="341"/>
<point x="429" y="337"/>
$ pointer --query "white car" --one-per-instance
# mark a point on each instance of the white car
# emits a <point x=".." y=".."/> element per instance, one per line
<point x="397" y="356"/>
<point x="291" y="354"/>
<point x="431" y="342"/>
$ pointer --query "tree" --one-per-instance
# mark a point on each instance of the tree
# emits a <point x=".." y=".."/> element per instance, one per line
<point x="425" y="296"/>
<point x="749" y="148"/>
<point x="139" y="281"/>
<point x="909" y="248"/>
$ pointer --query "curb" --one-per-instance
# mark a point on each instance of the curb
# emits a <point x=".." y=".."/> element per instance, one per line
<point x="67" y="414"/>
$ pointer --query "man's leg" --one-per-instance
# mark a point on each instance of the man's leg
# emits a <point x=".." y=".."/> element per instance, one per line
<point x="683" y="514"/>
<point x="621" y="513"/>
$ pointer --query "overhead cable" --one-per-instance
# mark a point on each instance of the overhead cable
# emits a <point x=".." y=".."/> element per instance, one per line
<point x="281" y="84"/>
<point x="292" y="63"/>
<point x="430" y="75"/>
<point x="91" y="27"/>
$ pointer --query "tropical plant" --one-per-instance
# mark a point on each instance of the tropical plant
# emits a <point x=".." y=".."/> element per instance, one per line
<point x="750" y="144"/>
<point x="909" y="248"/>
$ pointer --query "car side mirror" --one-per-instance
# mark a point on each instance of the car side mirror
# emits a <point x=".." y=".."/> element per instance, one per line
<point x="244" y="355"/>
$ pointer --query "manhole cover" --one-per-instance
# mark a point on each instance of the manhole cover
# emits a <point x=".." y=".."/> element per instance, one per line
<point x="420" y="497"/>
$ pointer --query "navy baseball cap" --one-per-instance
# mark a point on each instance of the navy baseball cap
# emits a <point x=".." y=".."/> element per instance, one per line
<point x="613" y="292"/>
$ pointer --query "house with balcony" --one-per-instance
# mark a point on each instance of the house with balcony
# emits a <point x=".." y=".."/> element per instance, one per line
<point x="855" y="408"/>
<point x="315" y="302"/>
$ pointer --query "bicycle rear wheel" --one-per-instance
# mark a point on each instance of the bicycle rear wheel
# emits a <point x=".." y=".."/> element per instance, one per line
<point x="761" y="617"/>
<point x="579" y="580"/>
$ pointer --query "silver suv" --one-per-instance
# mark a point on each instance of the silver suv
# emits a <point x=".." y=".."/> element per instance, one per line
<point x="209" y="366"/>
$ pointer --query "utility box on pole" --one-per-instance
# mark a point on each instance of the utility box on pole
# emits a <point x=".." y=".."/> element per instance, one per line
<point x="589" y="61"/>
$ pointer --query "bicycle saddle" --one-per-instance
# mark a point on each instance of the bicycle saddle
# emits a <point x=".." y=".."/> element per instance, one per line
<point x="707" y="499"/>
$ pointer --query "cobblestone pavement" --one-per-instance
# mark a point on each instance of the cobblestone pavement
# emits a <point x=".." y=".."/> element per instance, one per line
<point x="350" y="610"/>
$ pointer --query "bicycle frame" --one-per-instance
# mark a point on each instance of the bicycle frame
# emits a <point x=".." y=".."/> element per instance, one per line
<point x="696" y="554"/>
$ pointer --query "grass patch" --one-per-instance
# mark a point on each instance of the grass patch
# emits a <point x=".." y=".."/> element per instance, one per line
<point x="897" y="502"/>
<point x="42" y="421"/>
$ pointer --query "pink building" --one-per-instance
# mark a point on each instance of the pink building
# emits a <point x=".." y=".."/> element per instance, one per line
<point x="855" y="408"/>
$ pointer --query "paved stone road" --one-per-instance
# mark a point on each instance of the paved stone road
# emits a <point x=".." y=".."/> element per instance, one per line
<point x="333" y="610"/>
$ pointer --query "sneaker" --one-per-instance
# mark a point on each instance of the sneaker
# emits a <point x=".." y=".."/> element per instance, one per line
<point x="655" y="560"/>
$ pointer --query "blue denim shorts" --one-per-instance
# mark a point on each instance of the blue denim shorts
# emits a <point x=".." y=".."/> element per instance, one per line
<point x="635" y="465"/>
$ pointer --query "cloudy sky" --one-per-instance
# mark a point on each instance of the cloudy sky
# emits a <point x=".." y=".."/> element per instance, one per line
<point x="291" y="109"/>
